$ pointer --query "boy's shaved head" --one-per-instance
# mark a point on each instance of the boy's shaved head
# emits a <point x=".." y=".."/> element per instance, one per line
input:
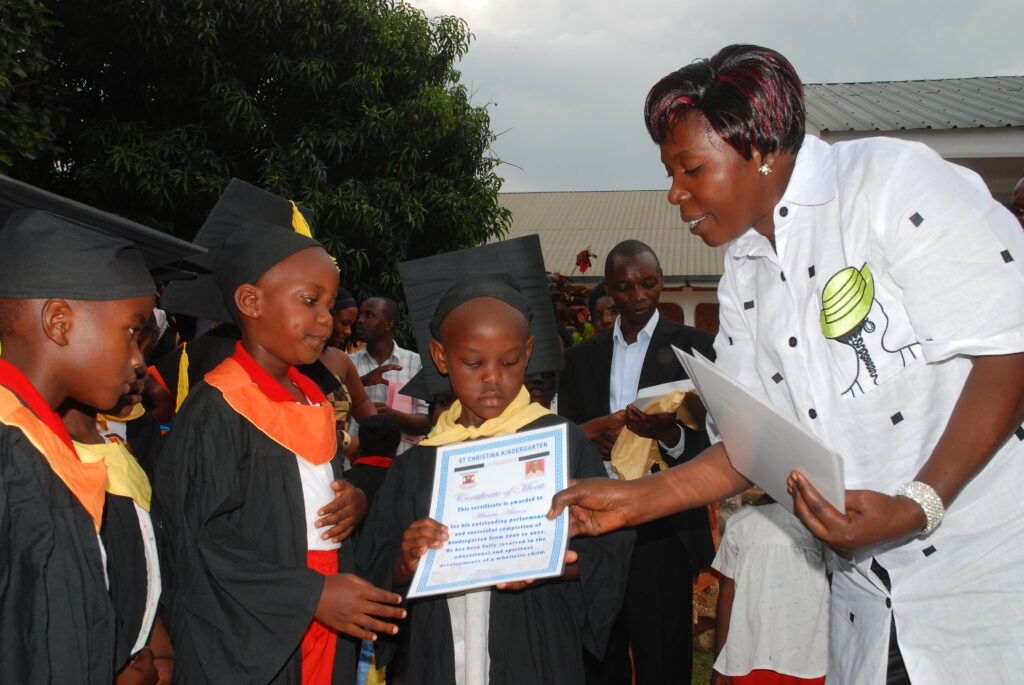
<point x="484" y="313"/>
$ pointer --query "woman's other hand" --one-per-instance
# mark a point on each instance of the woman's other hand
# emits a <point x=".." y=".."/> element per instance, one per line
<point x="871" y="517"/>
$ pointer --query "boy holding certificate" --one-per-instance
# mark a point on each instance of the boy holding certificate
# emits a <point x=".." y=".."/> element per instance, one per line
<point x="485" y="328"/>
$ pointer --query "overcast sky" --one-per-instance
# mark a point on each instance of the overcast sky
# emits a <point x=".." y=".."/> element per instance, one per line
<point x="565" y="80"/>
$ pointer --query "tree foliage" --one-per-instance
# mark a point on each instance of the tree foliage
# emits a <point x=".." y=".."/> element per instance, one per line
<point x="27" y="99"/>
<point x="350" y="107"/>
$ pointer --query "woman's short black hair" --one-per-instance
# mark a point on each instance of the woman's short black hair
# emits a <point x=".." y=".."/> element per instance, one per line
<point x="750" y="95"/>
<point x="343" y="300"/>
<point x="596" y="293"/>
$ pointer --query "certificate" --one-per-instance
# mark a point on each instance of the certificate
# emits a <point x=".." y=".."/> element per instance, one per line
<point x="764" y="444"/>
<point x="494" y="496"/>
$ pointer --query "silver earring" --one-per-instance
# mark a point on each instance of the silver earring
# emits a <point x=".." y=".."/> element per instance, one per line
<point x="764" y="169"/>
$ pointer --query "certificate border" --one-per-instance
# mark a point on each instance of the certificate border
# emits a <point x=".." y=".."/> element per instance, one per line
<point x="558" y="434"/>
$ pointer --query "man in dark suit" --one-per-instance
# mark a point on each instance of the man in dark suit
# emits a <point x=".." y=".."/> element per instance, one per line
<point x="598" y="389"/>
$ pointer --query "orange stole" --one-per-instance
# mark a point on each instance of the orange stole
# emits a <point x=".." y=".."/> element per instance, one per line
<point x="86" y="481"/>
<point x="319" y="641"/>
<point x="307" y="430"/>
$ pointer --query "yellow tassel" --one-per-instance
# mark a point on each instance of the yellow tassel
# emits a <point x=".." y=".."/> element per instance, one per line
<point x="299" y="225"/>
<point x="182" y="378"/>
<point x="299" y="222"/>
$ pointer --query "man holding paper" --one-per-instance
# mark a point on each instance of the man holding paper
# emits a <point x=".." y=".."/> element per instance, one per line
<point x="874" y="293"/>
<point x="599" y="390"/>
<point x="385" y="367"/>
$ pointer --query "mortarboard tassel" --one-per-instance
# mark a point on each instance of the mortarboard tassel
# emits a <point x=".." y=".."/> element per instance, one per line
<point x="299" y="221"/>
<point x="182" y="378"/>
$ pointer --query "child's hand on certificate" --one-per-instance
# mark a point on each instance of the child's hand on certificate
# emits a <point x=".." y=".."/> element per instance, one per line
<point x="571" y="572"/>
<point x="418" y="538"/>
<point x="349" y="604"/>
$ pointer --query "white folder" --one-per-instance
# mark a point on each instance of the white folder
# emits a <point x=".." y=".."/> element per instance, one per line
<point x="764" y="444"/>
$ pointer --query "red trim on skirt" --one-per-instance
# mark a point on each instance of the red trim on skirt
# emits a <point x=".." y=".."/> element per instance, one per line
<point x="764" y="677"/>
<point x="319" y="641"/>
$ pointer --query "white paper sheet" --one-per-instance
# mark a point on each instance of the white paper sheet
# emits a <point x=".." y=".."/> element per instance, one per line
<point x="764" y="444"/>
<point x="494" y="495"/>
<point x="645" y="396"/>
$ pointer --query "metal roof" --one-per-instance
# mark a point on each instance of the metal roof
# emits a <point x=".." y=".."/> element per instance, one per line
<point x="569" y="222"/>
<point x="983" y="102"/>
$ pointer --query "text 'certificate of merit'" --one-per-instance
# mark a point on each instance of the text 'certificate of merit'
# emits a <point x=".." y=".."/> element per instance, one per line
<point x="494" y="495"/>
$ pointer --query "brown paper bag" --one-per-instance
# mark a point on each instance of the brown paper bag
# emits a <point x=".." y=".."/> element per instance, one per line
<point x="633" y="456"/>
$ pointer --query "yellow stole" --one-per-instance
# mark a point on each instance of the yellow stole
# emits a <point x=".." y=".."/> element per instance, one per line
<point x="520" y="412"/>
<point x="124" y="475"/>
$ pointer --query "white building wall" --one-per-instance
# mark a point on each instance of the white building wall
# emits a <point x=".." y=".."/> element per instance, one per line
<point x="688" y="298"/>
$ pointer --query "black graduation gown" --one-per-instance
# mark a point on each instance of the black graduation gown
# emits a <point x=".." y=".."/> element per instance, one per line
<point x="204" y="354"/>
<point x="126" y="569"/>
<point x="231" y="525"/>
<point x="56" y="619"/>
<point x="535" y="634"/>
<point x="367" y="477"/>
<point x="143" y="435"/>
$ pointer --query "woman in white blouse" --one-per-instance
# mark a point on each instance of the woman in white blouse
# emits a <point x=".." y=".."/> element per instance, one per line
<point x="875" y="292"/>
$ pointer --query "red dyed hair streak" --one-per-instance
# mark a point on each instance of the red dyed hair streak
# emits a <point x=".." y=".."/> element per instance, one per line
<point x="750" y="95"/>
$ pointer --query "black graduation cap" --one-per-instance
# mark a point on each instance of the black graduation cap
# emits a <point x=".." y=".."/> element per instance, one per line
<point x="247" y="232"/>
<point x="51" y="246"/>
<point x="426" y="280"/>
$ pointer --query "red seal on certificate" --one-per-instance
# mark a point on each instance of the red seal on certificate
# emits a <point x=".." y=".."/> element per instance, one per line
<point x="468" y="480"/>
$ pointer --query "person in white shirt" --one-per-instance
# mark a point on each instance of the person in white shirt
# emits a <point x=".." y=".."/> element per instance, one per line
<point x="384" y="368"/>
<point x="876" y="293"/>
<point x="772" y="614"/>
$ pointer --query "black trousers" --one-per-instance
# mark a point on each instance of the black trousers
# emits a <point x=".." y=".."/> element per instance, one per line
<point x="656" y="616"/>
<point x="896" y="670"/>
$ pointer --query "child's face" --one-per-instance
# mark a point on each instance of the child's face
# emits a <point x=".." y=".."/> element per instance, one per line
<point x="103" y="349"/>
<point x="484" y="348"/>
<point x="288" y="312"/>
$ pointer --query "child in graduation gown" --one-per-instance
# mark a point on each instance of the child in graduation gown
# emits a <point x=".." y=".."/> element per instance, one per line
<point x="75" y="290"/>
<point x="520" y="633"/>
<point x="255" y="594"/>
<point x="142" y="649"/>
